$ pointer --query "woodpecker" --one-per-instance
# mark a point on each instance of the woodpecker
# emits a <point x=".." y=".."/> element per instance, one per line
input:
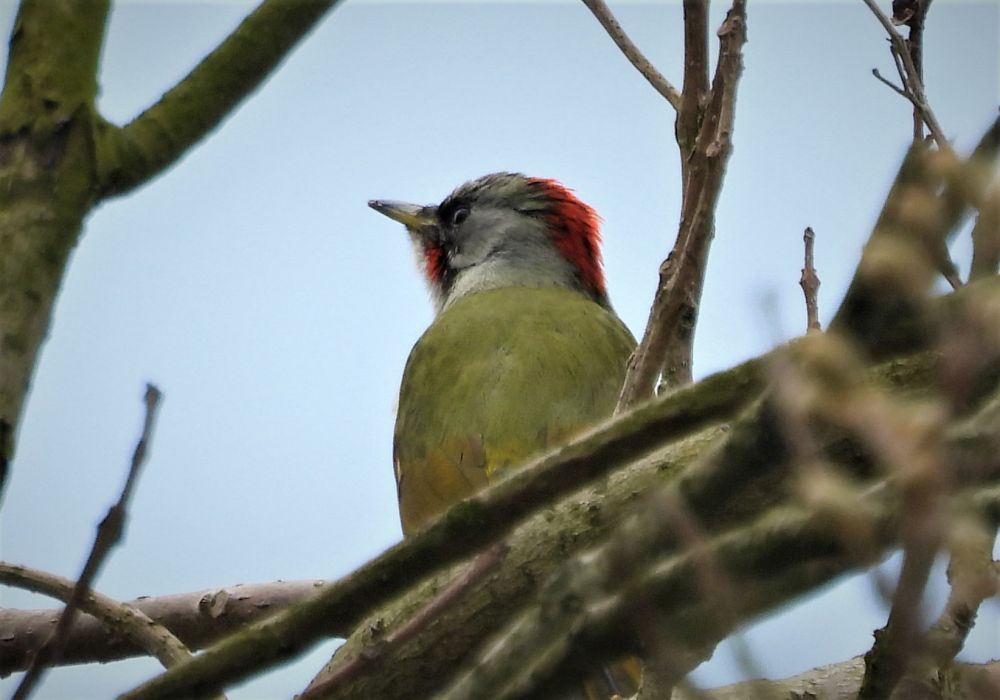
<point x="524" y="350"/>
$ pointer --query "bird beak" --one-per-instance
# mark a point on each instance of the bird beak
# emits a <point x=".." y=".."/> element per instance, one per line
<point x="412" y="216"/>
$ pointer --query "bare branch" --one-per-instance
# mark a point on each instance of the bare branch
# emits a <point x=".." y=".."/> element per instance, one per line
<point x="696" y="68"/>
<point x="809" y="281"/>
<point x="892" y="86"/>
<point x="911" y="74"/>
<point x="678" y="355"/>
<point x="198" y="619"/>
<point x="109" y="533"/>
<point x="838" y="681"/>
<point x="914" y="19"/>
<point x="675" y="308"/>
<point x="124" y="620"/>
<point x="603" y="14"/>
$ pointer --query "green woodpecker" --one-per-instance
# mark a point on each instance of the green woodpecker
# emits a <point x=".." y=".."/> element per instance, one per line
<point x="524" y="351"/>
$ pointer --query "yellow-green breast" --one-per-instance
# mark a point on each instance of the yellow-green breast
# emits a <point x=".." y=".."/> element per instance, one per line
<point x="499" y="376"/>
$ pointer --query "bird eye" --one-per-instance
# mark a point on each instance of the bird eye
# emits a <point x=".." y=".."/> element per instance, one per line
<point x="459" y="216"/>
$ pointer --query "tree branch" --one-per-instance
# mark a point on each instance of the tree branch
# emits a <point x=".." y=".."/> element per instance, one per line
<point x="132" y="155"/>
<point x="198" y="619"/>
<point x="975" y="577"/>
<point x="913" y="454"/>
<point x="695" y="90"/>
<point x="125" y="621"/>
<point x="909" y="244"/>
<point x="59" y="46"/>
<point x="467" y="527"/>
<point x="752" y="458"/>
<point x="339" y="674"/>
<point x="719" y="496"/>
<point x="670" y="328"/>
<point x="915" y="46"/>
<point x="46" y="116"/>
<point x="838" y="681"/>
<point x="554" y="640"/>
<point x="888" y="83"/>
<point x="788" y="552"/>
<point x="604" y="15"/>
<point x="724" y="492"/>
<point x="912" y="80"/>
<point x="893" y="278"/>
<point x="809" y="281"/>
<point x="678" y="360"/>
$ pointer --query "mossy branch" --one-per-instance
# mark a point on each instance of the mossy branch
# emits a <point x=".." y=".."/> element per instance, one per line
<point x="132" y="155"/>
<point x="51" y="65"/>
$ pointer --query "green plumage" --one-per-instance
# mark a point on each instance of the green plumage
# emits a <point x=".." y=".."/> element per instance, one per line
<point x="500" y="375"/>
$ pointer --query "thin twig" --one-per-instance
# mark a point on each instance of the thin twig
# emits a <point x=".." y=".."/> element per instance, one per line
<point x="895" y="88"/>
<point x="604" y="15"/>
<point x="109" y="534"/>
<point x="809" y="281"/>
<point x="914" y="87"/>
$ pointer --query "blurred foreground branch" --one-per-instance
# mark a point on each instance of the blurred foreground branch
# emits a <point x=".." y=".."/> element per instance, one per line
<point x="582" y="516"/>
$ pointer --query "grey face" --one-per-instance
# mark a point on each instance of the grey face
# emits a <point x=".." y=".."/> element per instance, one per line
<point x="489" y="233"/>
<point x="484" y="233"/>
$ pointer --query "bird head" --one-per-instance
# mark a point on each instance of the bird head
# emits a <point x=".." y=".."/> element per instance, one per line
<point x="502" y="230"/>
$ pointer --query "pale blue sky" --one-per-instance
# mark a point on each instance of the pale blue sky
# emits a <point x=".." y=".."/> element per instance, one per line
<point x="275" y="310"/>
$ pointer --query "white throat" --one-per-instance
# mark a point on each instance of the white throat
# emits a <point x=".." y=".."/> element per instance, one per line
<point x="499" y="271"/>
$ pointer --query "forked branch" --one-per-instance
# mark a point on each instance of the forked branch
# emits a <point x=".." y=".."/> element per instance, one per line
<point x="907" y="57"/>
<point x="665" y="349"/>
<point x="125" y="620"/>
<point x="131" y="155"/>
